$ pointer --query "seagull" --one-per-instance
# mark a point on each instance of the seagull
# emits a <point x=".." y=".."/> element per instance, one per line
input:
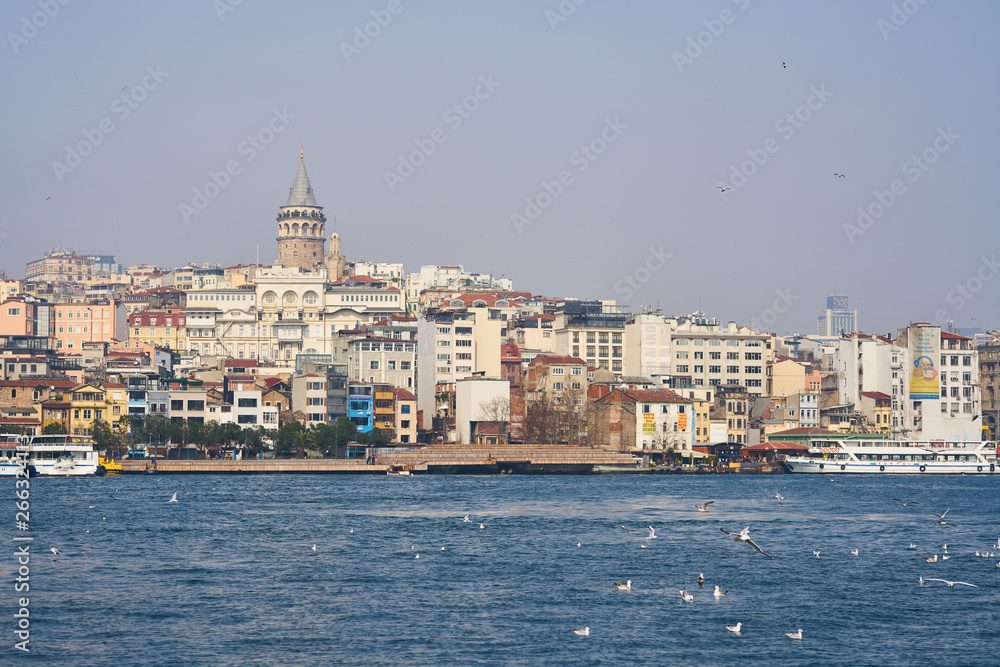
<point x="783" y="65"/>
<point x="941" y="516"/>
<point x="719" y="593"/>
<point x="626" y="530"/>
<point x="704" y="506"/>
<point x="816" y="553"/>
<point x="173" y="498"/>
<point x="945" y="557"/>
<point x="908" y="502"/>
<point x="351" y="530"/>
<point x="722" y="189"/>
<point x="577" y="545"/>
<point x="442" y="548"/>
<point x="412" y="547"/>
<point x="922" y="581"/>
<point x="931" y="560"/>
<point x="735" y="629"/>
<point x="627" y="586"/>
<point x="912" y="546"/>
<point x="54" y="550"/>
<point x="481" y="526"/>
<point x="795" y="635"/>
<point x="744" y="536"/>
<point x="780" y="498"/>
<point x="840" y="175"/>
<point x="944" y="546"/>
<point x="642" y="546"/>
<point x="91" y="507"/>
<point x="687" y="597"/>
<point x="417" y="556"/>
<point x="583" y="633"/>
<point x="466" y="519"/>
<point x="854" y="552"/>
<point x="652" y="534"/>
<point x="701" y="578"/>
<point x="837" y="481"/>
<point x="314" y="547"/>
<point x="952" y="584"/>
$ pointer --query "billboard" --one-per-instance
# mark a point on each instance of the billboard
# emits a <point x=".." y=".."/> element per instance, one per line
<point x="648" y="423"/>
<point x="924" y="344"/>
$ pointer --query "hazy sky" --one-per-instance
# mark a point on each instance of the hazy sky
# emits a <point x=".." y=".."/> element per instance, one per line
<point x="116" y="112"/>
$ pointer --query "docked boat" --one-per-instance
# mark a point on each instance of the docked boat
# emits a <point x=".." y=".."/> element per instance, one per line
<point x="394" y="470"/>
<point x="111" y="467"/>
<point x="830" y="456"/>
<point x="50" y="455"/>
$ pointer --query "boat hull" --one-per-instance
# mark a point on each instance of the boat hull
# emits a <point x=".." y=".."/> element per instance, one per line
<point x="797" y="465"/>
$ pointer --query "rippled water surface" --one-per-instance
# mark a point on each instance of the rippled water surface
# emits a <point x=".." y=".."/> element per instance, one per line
<point x="228" y="576"/>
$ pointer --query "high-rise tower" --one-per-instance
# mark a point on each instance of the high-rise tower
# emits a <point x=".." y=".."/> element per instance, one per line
<point x="301" y="225"/>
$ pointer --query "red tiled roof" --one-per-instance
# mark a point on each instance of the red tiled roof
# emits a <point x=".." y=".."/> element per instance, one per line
<point x="510" y="352"/>
<point x="404" y="395"/>
<point x="553" y="359"/>
<point x="58" y="383"/>
<point x="240" y="363"/>
<point x="773" y="446"/>
<point x="947" y="335"/>
<point x="270" y="382"/>
<point x="876" y="394"/>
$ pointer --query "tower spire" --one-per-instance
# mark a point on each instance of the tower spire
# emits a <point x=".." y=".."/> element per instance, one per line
<point x="302" y="153"/>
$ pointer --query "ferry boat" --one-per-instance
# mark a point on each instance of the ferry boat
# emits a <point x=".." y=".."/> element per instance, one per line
<point x="50" y="455"/>
<point x="831" y="456"/>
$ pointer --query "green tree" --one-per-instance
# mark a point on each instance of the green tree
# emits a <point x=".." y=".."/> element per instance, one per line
<point x="55" y="428"/>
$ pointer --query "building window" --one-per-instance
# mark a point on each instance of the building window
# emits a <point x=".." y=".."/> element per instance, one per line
<point x="558" y="371"/>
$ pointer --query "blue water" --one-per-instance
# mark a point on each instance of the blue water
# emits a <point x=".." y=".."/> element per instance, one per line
<point x="227" y="575"/>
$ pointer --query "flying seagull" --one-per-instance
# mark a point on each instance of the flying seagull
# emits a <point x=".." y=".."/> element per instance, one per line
<point x="54" y="550"/>
<point x="780" y="498"/>
<point x="840" y="175"/>
<point x="904" y="504"/>
<point x="625" y="529"/>
<point x="795" y="635"/>
<point x="704" y="506"/>
<point x="627" y="586"/>
<point x="173" y="498"/>
<point x="941" y="516"/>
<point x="783" y="65"/>
<point x="735" y="629"/>
<point x="652" y="533"/>
<point x="952" y="584"/>
<point x="816" y="553"/>
<point x="722" y="189"/>
<point x="466" y="519"/>
<point x="744" y="536"/>
<point x="837" y="481"/>
<point x="583" y="633"/>
<point x="718" y="593"/>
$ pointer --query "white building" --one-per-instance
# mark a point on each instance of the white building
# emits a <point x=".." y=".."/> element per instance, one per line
<point x="470" y="395"/>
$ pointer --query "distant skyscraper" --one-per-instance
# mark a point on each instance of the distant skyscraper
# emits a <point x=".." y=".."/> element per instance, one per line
<point x="836" y="319"/>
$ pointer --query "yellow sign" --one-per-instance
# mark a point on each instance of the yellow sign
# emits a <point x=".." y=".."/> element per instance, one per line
<point x="924" y="346"/>
<point x="682" y="421"/>
<point x="648" y="423"/>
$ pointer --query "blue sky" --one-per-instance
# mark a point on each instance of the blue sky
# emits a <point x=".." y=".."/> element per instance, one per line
<point x="684" y="93"/>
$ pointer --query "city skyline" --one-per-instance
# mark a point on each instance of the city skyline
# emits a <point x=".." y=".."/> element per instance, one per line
<point x="620" y="125"/>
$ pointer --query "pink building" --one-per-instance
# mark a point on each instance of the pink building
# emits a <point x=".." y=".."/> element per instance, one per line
<point x="94" y="321"/>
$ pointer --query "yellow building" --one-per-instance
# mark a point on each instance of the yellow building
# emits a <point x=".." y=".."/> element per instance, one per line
<point x="163" y="328"/>
<point x="94" y="402"/>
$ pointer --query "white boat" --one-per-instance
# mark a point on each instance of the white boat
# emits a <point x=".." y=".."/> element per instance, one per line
<point x="50" y="455"/>
<point x="396" y="470"/>
<point x="831" y="456"/>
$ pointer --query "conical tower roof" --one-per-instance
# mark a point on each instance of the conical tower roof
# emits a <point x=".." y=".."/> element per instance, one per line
<point x="301" y="192"/>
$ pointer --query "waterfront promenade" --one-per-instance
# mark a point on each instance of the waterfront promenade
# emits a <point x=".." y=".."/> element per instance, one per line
<point x="445" y="459"/>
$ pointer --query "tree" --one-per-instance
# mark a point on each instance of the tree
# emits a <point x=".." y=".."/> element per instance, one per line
<point x="108" y="438"/>
<point x="496" y="411"/>
<point x="541" y="421"/>
<point x="55" y="428"/>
